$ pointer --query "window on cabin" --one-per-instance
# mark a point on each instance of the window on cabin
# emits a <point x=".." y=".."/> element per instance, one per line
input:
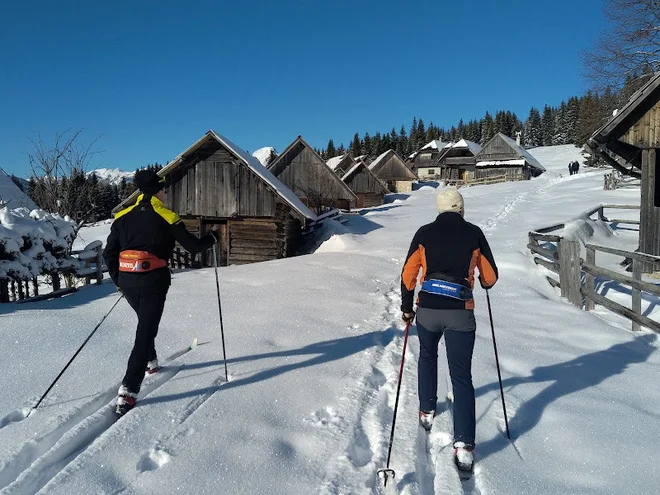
<point x="431" y="171"/>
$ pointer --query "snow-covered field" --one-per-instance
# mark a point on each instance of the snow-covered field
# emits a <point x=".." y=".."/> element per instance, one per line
<point x="313" y="350"/>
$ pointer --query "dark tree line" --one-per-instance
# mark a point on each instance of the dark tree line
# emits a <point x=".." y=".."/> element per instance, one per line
<point x="571" y="122"/>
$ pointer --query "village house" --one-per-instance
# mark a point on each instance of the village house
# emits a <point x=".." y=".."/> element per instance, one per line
<point x="630" y="142"/>
<point x="502" y="157"/>
<point x="303" y="171"/>
<point x="363" y="182"/>
<point x="216" y="183"/>
<point x="457" y="160"/>
<point x="392" y="170"/>
<point x="423" y="161"/>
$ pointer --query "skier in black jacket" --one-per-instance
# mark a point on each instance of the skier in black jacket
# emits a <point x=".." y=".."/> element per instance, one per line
<point x="141" y="240"/>
<point x="447" y="251"/>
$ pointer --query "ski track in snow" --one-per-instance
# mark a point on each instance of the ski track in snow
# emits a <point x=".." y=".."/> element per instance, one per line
<point x="41" y="459"/>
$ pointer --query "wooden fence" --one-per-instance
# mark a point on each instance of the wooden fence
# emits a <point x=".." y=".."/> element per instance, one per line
<point x="28" y="290"/>
<point x="562" y="257"/>
<point x="471" y="181"/>
<point x="615" y="180"/>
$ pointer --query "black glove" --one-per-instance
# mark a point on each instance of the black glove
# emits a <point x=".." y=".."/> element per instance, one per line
<point x="216" y="235"/>
<point x="408" y="317"/>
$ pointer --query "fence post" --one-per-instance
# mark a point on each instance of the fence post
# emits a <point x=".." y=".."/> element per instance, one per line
<point x="570" y="272"/>
<point x="35" y="285"/>
<point x="99" y="266"/>
<point x="590" y="305"/>
<point x="4" y="290"/>
<point x="636" y="294"/>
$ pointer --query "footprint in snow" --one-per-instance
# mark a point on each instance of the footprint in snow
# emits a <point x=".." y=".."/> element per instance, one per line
<point x="152" y="460"/>
<point x="15" y="416"/>
<point x="323" y="417"/>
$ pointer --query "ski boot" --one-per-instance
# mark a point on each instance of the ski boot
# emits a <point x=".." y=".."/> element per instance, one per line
<point x="125" y="400"/>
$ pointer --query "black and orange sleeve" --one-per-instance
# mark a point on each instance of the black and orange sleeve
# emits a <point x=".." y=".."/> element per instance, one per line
<point x="486" y="263"/>
<point x="415" y="260"/>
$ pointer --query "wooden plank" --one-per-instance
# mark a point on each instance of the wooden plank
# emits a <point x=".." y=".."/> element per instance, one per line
<point x="553" y="282"/>
<point x="590" y="279"/>
<point x="619" y="220"/>
<point x="249" y="258"/>
<point x="622" y="207"/>
<point x="636" y="293"/>
<point x="544" y="237"/>
<point x="647" y="258"/>
<point x="553" y="267"/>
<point x="618" y="277"/>
<point x="569" y="271"/>
<point x="622" y="310"/>
<point x="553" y="255"/>
<point x="259" y="243"/>
<point x="235" y="251"/>
<point x="545" y="230"/>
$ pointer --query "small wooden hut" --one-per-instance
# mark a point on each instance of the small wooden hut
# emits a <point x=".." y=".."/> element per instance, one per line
<point x="392" y="170"/>
<point x="341" y="164"/>
<point x="214" y="182"/>
<point x="629" y="142"/>
<point x="423" y="162"/>
<point x="456" y="161"/>
<point x="363" y="182"/>
<point x="502" y="156"/>
<point x="301" y="169"/>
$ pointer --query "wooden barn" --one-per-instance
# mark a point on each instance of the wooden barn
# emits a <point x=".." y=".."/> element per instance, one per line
<point x="502" y="156"/>
<point x="301" y="169"/>
<point x="457" y="160"/>
<point x="423" y="161"/>
<point x="630" y="142"/>
<point x="391" y="169"/>
<point x="363" y="182"/>
<point x="214" y="182"/>
<point x="341" y="164"/>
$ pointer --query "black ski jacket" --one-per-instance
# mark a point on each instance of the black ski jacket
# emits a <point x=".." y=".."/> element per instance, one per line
<point x="449" y="248"/>
<point x="148" y="226"/>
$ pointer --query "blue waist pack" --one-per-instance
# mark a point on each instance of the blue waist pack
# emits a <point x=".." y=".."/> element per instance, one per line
<point x="447" y="289"/>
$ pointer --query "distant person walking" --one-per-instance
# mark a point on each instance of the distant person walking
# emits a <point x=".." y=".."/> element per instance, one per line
<point x="141" y="240"/>
<point x="570" y="168"/>
<point x="447" y="251"/>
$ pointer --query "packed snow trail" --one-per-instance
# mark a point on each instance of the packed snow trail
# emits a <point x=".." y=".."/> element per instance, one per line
<point x="41" y="459"/>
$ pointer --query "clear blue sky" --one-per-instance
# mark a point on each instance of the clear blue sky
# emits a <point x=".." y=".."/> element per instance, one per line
<point x="150" y="77"/>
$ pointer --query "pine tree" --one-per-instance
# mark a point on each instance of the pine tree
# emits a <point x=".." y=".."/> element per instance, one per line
<point x="560" y="135"/>
<point x="487" y="128"/>
<point x="403" y="144"/>
<point x="330" y="150"/>
<point x="548" y="125"/>
<point x="356" y="145"/>
<point x="532" y="131"/>
<point x="366" y="145"/>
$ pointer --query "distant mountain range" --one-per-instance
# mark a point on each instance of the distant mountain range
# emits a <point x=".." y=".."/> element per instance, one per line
<point x="111" y="175"/>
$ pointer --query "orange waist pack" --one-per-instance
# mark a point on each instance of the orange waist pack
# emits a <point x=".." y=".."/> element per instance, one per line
<point x="139" y="261"/>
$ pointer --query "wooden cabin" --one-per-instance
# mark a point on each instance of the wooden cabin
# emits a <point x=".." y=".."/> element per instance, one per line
<point x="216" y="183"/>
<point x="12" y="196"/>
<point x="391" y="169"/>
<point x="423" y="161"/>
<point x="630" y="142"/>
<point x="303" y="171"/>
<point x="363" y="182"/>
<point x="502" y="156"/>
<point x="457" y="160"/>
<point x="341" y="164"/>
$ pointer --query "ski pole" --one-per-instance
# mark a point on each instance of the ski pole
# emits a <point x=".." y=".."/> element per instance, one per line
<point x="77" y="352"/>
<point x="387" y="471"/>
<point x="497" y="362"/>
<point x="222" y="330"/>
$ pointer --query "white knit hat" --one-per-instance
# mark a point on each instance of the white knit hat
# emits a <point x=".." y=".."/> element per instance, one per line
<point x="449" y="199"/>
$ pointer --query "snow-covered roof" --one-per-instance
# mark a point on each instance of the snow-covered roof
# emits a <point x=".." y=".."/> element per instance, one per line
<point x="335" y="161"/>
<point x="352" y="169"/>
<point x="378" y="159"/>
<point x="436" y="144"/>
<point x="265" y="155"/>
<point x="533" y="162"/>
<point x="495" y="163"/>
<point x="470" y="145"/>
<point x="11" y="194"/>
<point x="252" y="163"/>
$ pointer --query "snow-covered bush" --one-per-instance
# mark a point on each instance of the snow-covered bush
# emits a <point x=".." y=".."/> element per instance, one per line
<point x="34" y="243"/>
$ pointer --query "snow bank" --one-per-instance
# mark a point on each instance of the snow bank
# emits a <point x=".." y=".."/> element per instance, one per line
<point x="33" y="243"/>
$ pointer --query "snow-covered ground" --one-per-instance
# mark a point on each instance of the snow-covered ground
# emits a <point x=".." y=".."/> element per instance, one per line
<point x="313" y="350"/>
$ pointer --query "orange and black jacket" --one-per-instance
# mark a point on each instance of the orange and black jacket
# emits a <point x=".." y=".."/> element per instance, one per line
<point x="450" y="248"/>
<point x="148" y="226"/>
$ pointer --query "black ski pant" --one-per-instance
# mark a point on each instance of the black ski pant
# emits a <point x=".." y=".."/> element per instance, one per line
<point x="148" y="303"/>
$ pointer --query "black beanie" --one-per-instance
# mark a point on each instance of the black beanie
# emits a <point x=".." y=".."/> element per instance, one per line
<point x="148" y="181"/>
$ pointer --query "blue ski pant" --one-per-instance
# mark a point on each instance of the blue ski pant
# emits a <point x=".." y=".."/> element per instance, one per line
<point x="459" y="345"/>
<point x="148" y="304"/>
